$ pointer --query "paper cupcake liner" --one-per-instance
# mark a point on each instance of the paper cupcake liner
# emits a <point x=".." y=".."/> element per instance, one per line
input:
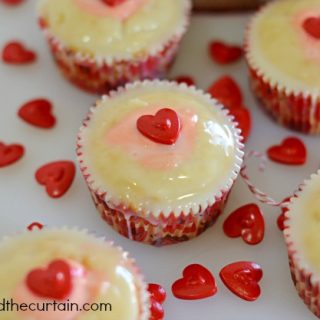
<point x="306" y="281"/>
<point x="130" y="264"/>
<point x="290" y="106"/>
<point x="160" y="225"/>
<point x="102" y="74"/>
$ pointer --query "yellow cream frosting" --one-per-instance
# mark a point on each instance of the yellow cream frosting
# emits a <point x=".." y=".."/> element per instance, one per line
<point x="118" y="286"/>
<point x="148" y="176"/>
<point x="107" y="36"/>
<point x="282" y="49"/>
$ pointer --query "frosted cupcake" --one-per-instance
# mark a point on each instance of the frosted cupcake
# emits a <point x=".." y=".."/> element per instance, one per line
<point x="100" y="44"/>
<point x="283" y="53"/>
<point x="302" y="233"/>
<point x="159" y="159"/>
<point x="63" y="271"/>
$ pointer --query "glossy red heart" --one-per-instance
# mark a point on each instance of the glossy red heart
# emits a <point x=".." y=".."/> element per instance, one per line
<point x="242" y="279"/>
<point x="16" y="53"/>
<point x="292" y="151"/>
<point x="312" y="26"/>
<point x="197" y="283"/>
<point x="53" y="282"/>
<point x="10" y="154"/>
<point x="227" y="91"/>
<point x="224" y="53"/>
<point x="163" y="128"/>
<point x="157" y="297"/>
<point x="57" y="177"/>
<point x="246" y="222"/>
<point x="242" y="115"/>
<point x="38" y="113"/>
<point x="35" y="225"/>
<point x="113" y="3"/>
<point x="188" y="80"/>
<point x="282" y="218"/>
<point x="12" y="2"/>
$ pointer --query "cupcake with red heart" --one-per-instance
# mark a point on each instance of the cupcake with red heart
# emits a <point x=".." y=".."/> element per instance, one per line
<point x="283" y="53"/>
<point x="302" y="234"/>
<point x="160" y="159"/>
<point x="101" y="44"/>
<point x="71" y="275"/>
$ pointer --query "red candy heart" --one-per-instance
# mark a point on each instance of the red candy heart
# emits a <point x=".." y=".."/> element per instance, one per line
<point x="38" y="113"/>
<point x="292" y="151"/>
<point x="16" y="53"/>
<point x="35" y="225"/>
<point x="197" y="283"/>
<point x="242" y="279"/>
<point x="243" y="116"/>
<point x="57" y="177"/>
<point x="189" y="81"/>
<point x="113" y="3"/>
<point x="282" y="218"/>
<point x="227" y="91"/>
<point x="312" y="27"/>
<point x="224" y="53"/>
<point x="54" y="282"/>
<point x="157" y="297"/>
<point x="247" y="222"/>
<point x="163" y="128"/>
<point x="10" y="154"/>
<point x="12" y="2"/>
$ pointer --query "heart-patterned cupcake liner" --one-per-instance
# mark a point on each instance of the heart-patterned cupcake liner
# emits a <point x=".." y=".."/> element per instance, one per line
<point x="160" y="225"/>
<point x="306" y="280"/>
<point x="102" y="74"/>
<point x="291" y="106"/>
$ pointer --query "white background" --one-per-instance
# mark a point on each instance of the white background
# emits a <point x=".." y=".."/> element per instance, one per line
<point x="22" y="200"/>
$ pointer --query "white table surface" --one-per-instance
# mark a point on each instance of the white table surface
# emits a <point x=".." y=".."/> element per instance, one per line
<point x="22" y="200"/>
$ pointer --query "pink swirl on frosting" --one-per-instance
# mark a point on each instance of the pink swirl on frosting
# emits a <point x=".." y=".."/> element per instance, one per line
<point x="120" y="12"/>
<point x="148" y="153"/>
<point x="310" y="45"/>
<point x="85" y="287"/>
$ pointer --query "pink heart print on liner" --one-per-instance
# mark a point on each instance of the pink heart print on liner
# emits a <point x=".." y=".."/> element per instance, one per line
<point x="121" y="11"/>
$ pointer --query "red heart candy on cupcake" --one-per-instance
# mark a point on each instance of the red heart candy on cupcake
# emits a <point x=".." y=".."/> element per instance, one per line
<point x="312" y="26"/>
<point x="197" y="283"/>
<point x="242" y="278"/>
<point x="164" y="127"/>
<point x="16" y="53"/>
<point x="157" y="297"/>
<point x="246" y="222"/>
<point x="57" y="177"/>
<point x="53" y="282"/>
<point x="10" y="154"/>
<point x="224" y="53"/>
<point x="38" y="113"/>
<point x="291" y="151"/>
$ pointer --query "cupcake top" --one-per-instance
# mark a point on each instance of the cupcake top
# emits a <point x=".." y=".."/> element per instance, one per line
<point x="303" y="226"/>
<point x="284" y="44"/>
<point x="159" y="147"/>
<point x="69" y="266"/>
<point x="119" y="29"/>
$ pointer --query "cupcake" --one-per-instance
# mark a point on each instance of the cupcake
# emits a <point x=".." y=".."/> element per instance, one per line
<point x="283" y="53"/>
<point x="101" y="44"/>
<point x="302" y="234"/>
<point x="56" y="274"/>
<point x="159" y="159"/>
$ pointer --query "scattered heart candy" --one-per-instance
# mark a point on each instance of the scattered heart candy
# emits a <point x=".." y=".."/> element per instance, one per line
<point x="227" y="91"/>
<point x="16" y="53"/>
<point x="188" y="80"/>
<point x="312" y="27"/>
<point x="10" y="154"/>
<point x="38" y="113"/>
<point x="113" y="3"/>
<point x="242" y="278"/>
<point x="247" y="222"/>
<point x="197" y="283"/>
<point x="35" y="225"/>
<point x="282" y="218"/>
<point x="12" y="2"/>
<point x="162" y="128"/>
<point x="157" y="296"/>
<point x="53" y="282"/>
<point x="292" y="151"/>
<point x="224" y="53"/>
<point x="242" y="115"/>
<point x="57" y="177"/>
